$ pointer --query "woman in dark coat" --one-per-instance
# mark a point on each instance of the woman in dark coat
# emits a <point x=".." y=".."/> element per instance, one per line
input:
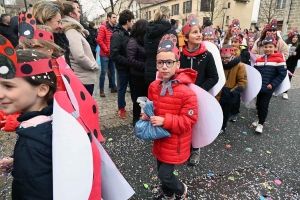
<point x="93" y="33"/>
<point x="156" y="29"/>
<point x="136" y="56"/>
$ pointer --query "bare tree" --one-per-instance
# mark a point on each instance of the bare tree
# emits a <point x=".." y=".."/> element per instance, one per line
<point x="269" y="9"/>
<point x="213" y="9"/>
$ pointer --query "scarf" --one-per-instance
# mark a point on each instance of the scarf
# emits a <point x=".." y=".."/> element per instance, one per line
<point x="232" y="63"/>
<point x="191" y="55"/>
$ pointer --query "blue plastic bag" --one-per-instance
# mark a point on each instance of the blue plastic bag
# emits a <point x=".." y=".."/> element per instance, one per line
<point x="145" y="130"/>
<point x="98" y="55"/>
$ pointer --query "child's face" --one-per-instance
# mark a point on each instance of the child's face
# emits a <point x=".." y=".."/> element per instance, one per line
<point x="195" y="36"/>
<point x="236" y="28"/>
<point x="251" y="42"/>
<point x="235" y="43"/>
<point x="269" y="48"/>
<point x="166" y="64"/>
<point x="295" y="39"/>
<point x="209" y="38"/>
<point x="226" y="58"/>
<point x="18" y="95"/>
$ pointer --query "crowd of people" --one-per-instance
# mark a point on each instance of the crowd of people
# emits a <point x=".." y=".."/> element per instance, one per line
<point x="153" y="58"/>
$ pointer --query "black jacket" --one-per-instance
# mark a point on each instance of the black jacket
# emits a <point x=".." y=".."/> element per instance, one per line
<point x="136" y="57"/>
<point x="245" y="55"/>
<point x="32" y="170"/>
<point x="118" y="44"/>
<point x="8" y="32"/>
<point x="62" y="41"/>
<point x="93" y="34"/>
<point x="291" y="62"/>
<point x="204" y="64"/>
<point x="155" y="31"/>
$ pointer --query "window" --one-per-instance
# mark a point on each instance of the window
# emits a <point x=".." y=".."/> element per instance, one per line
<point x="204" y="19"/>
<point x="175" y="9"/>
<point x="228" y="5"/>
<point x="136" y="14"/>
<point x="184" y="21"/>
<point x="149" y="15"/>
<point x="187" y="7"/>
<point x="205" y="5"/>
<point x="227" y="20"/>
<point x="281" y="4"/>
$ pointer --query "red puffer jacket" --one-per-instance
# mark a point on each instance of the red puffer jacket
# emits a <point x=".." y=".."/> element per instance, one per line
<point x="180" y="111"/>
<point x="103" y="39"/>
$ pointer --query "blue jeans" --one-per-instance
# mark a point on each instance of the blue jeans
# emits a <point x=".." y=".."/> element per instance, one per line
<point x="124" y="79"/>
<point x="106" y="63"/>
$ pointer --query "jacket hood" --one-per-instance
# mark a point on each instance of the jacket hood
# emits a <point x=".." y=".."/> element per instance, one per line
<point x="70" y="23"/>
<point x="157" y="28"/>
<point x="186" y="76"/>
<point x="237" y="52"/>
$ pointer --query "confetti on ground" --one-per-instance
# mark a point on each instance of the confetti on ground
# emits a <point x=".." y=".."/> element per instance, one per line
<point x="175" y="173"/>
<point x="110" y="139"/>
<point x="278" y="182"/>
<point x="245" y="132"/>
<point x="146" y="186"/>
<point x="276" y="129"/>
<point x="228" y="146"/>
<point x="231" y="178"/>
<point x="249" y="150"/>
<point x="269" y="152"/>
<point x="242" y="117"/>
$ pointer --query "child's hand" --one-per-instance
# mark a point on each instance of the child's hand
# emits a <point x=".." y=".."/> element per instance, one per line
<point x="157" y="121"/>
<point x="144" y="116"/>
<point x="6" y="164"/>
<point x="269" y="87"/>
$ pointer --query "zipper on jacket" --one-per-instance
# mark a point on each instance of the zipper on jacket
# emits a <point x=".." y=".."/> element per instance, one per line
<point x="178" y="150"/>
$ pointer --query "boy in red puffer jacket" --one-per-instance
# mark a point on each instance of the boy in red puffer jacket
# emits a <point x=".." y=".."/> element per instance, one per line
<point x="176" y="110"/>
<point x="271" y="67"/>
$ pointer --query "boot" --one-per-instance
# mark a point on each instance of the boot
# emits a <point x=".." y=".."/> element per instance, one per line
<point x="102" y="94"/>
<point x="113" y="90"/>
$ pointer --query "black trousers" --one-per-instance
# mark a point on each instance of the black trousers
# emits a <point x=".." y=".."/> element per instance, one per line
<point x="139" y="90"/>
<point x="170" y="182"/>
<point x="235" y="108"/>
<point x="89" y="88"/>
<point x="292" y="70"/>
<point x="262" y="106"/>
<point x="226" y="111"/>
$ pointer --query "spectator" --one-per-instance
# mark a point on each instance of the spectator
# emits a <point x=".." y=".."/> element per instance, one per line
<point x="119" y="40"/>
<point x="137" y="59"/>
<point x="81" y="56"/>
<point x="7" y="31"/>
<point x="219" y="30"/>
<point x="103" y="40"/>
<point x="93" y="34"/>
<point x="256" y="32"/>
<point x="207" y="23"/>
<point x="174" y="24"/>
<point x="49" y="13"/>
<point x="156" y="29"/>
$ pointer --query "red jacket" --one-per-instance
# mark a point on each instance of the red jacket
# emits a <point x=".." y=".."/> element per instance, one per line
<point x="103" y="39"/>
<point x="180" y="111"/>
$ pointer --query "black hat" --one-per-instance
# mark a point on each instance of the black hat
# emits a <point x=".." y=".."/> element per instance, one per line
<point x="173" y="22"/>
<point x="207" y="23"/>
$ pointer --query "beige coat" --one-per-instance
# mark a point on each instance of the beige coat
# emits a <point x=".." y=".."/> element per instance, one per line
<point x="81" y="56"/>
<point x="282" y="47"/>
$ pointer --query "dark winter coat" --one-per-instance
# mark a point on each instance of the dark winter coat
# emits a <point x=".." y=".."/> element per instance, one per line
<point x="136" y="56"/>
<point x="155" y="31"/>
<point x="93" y="34"/>
<point x="118" y="44"/>
<point x="203" y="62"/>
<point x="62" y="41"/>
<point x="245" y="55"/>
<point x="32" y="170"/>
<point x="292" y="60"/>
<point x="272" y="71"/>
<point x="8" y="32"/>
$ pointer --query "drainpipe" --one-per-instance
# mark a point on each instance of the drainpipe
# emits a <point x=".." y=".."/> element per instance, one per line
<point x="288" y="19"/>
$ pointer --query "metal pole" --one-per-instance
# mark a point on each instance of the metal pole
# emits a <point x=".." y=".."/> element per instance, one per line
<point x="223" y="22"/>
<point x="4" y="6"/>
<point x="25" y="5"/>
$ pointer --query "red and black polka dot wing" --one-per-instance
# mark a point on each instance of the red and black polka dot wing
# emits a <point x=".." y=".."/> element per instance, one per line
<point x="8" y="59"/>
<point x="27" y="25"/>
<point x="87" y="106"/>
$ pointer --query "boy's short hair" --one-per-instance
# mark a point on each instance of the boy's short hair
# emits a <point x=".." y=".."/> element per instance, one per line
<point x="125" y="16"/>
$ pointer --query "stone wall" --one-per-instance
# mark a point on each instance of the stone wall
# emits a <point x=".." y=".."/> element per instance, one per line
<point x="294" y="20"/>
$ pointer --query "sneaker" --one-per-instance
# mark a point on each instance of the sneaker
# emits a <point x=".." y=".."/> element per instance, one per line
<point x="275" y="95"/>
<point x="259" y="128"/>
<point x="223" y="130"/>
<point x="162" y="196"/>
<point x="122" y="113"/>
<point x="233" y="118"/>
<point x="182" y="196"/>
<point x="255" y="123"/>
<point x="195" y="158"/>
<point x="285" y="96"/>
